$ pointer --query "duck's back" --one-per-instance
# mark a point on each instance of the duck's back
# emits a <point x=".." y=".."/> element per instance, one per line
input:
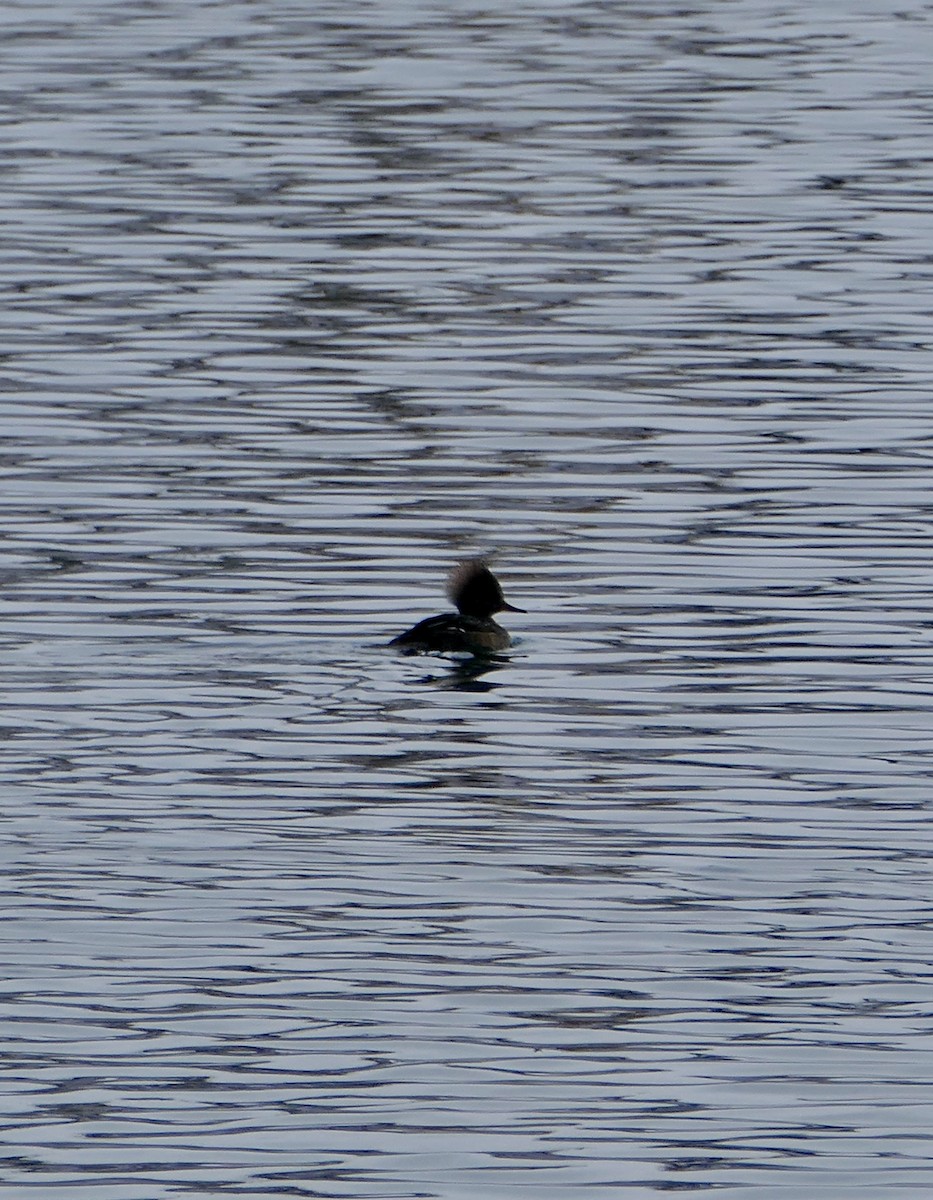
<point x="450" y="632"/>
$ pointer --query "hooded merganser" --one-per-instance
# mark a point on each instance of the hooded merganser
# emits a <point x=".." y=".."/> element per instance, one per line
<point x="477" y="594"/>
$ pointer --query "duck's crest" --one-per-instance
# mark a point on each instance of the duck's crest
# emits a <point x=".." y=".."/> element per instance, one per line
<point x="467" y="576"/>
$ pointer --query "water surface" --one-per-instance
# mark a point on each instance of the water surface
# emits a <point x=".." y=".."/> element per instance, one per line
<point x="302" y="305"/>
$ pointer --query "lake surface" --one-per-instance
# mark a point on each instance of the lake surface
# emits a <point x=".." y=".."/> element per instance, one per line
<point x="304" y="302"/>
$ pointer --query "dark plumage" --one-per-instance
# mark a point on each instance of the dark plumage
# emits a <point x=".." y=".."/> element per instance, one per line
<point x="476" y="592"/>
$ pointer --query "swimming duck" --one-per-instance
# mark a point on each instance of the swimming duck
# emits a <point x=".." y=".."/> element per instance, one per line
<point x="476" y="592"/>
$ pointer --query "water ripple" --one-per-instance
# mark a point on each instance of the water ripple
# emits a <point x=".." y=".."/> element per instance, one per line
<point x="302" y="307"/>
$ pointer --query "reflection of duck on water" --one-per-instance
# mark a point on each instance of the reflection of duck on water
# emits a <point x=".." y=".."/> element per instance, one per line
<point x="476" y="592"/>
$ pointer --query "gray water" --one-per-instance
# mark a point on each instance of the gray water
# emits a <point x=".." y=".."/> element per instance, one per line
<point x="302" y="303"/>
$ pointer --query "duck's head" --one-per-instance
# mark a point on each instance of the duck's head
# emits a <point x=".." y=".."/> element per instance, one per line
<point x="475" y="590"/>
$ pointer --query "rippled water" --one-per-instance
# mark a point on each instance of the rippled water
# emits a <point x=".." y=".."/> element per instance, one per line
<point x="304" y="302"/>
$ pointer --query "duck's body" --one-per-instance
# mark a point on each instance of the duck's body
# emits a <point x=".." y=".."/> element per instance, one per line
<point x="477" y="594"/>
<point x="450" y="632"/>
